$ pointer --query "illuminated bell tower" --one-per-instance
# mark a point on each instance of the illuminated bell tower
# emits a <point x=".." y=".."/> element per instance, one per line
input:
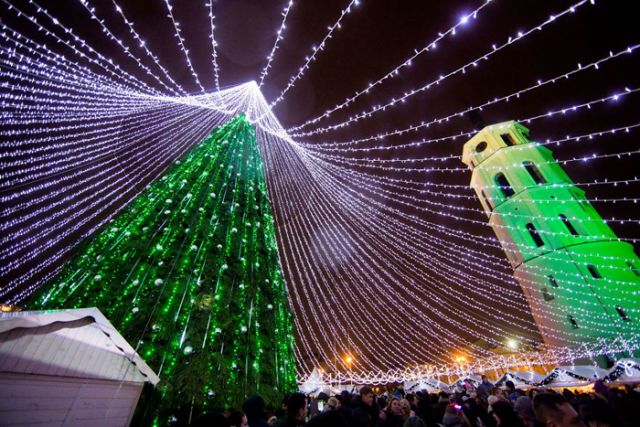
<point x="581" y="282"/>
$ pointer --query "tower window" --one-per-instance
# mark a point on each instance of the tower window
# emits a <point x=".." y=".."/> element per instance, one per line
<point x="633" y="268"/>
<point x="622" y="313"/>
<point x="534" y="172"/>
<point x="594" y="271"/>
<point x="533" y="232"/>
<point x="482" y="145"/>
<point x="552" y="280"/>
<point x="508" y="139"/>
<point x="568" y="224"/>
<point x="573" y="322"/>
<point x="546" y="295"/>
<point x="503" y="184"/>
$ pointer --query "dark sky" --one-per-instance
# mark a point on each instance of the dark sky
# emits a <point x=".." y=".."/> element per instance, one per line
<point x="380" y="34"/>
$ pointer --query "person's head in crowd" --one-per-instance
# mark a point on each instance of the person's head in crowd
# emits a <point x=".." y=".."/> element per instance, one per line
<point x="504" y="414"/>
<point x="413" y="400"/>
<point x="406" y="408"/>
<point x="366" y="396"/>
<point x="443" y="397"/>
<point x="596" y="413"/>
<point x="237" y="419"/>
<point x="394" y="406"/>
<point x="333" y="404"/>
<point x="484" y="379"/>
<point x="451" y="417"/>
<point x="297" y="406"/>
<point x="253" y="408"/>
<point x="600" y="387"/>
<point x="553" y="410"/>
<point x="511" y="387"/>
<point x="491" y="400"/>
<point x="524" y="408"/>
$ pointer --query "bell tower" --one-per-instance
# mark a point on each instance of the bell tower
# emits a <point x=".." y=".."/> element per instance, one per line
<point x="582" y="283"/>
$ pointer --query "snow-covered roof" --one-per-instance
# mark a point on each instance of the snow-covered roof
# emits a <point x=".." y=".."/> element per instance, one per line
<point x="314" y="384"/>
<point x="431" y="385"/>
<point x="79" y="343"/>
<point x="628" y="371"/>
<point x="573" y="376"/>
<point x="521" y="378"/>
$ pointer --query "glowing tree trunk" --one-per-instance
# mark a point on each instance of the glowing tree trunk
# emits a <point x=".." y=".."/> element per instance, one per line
<point x="582" y="283"/>
<point x="189" y="273"/>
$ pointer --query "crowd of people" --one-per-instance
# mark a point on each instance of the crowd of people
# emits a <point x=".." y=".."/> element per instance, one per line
<point x="481" y="406"/>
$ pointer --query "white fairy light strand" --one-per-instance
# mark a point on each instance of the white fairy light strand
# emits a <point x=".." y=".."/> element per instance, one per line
<point x="185" y="51"/>
<point x="314" y="52"/>
<point x="214" y="45"/>
<point x="462" y="69"/>
<point x="279" y="37"/>
<point x="429" y="47"/>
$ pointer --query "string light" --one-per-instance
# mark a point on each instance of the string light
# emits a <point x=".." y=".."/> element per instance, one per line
<point x="314" y="52"/>
<point x="185" y="51"/>
<point x="144" y="47"/>
<point x="101" y="60"/>
<point x="429" y="47"/>
<point x="279" y="37"/>
<point x="214" y="44"/>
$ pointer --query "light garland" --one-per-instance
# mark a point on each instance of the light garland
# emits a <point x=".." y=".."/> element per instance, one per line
<point x="314" y="51"/>
<point x="279" y="36"/>
<point x="461" y="70"/>
<point x="185" y="51"/>
<point x="429" y="47"/>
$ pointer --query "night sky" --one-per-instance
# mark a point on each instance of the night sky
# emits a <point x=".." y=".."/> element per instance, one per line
<point x="376" y="37"/>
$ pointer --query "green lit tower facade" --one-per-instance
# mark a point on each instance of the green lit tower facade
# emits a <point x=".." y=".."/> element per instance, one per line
<point x="582" y="283"/>
<point x="189" y="273"/>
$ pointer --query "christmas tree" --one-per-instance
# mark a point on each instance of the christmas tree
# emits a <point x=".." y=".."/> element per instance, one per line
<point x="189" y="274"/>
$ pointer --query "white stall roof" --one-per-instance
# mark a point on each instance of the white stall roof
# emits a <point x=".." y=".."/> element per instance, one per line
<point x="630" y="370"/>
<point x="78" y="343"/>
<point x="574" y="375"/>
<point x="522" y="378"/>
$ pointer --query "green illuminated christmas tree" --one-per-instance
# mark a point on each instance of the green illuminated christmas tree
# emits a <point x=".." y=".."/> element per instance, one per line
<point x="189" y="274"/>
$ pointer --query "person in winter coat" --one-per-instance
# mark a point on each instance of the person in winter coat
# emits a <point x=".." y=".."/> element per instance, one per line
<point x="253" y="408"/>
<point x="392" y="415"/>
<point x="365" y="412"/>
